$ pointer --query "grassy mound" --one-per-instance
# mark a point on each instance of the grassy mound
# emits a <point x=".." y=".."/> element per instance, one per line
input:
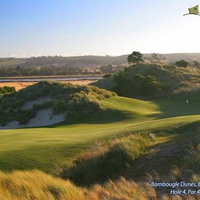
<point x="73" y="101"/>
<point x="148" y="80"/>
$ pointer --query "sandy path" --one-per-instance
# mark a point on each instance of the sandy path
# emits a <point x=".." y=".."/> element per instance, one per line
<point x="21" y="85"/>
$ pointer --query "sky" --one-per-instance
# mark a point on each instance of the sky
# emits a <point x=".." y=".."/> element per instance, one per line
<point x="97" y="27"/>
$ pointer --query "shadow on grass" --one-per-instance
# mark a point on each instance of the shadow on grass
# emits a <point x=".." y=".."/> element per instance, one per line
<point x="98" y="117"/>
<point x="174" y="107"/>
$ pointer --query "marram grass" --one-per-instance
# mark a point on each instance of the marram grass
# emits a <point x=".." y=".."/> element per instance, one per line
<point x="36" y="185"/>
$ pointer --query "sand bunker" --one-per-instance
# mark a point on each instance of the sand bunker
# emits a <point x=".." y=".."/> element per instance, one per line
<point x="43" y="117"/>
<point x="40" y="101"/>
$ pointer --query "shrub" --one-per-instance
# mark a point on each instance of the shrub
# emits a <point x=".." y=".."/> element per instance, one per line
<point x="6" y="90"/>
<point x="181" y="63"/>
<point x="136" y="85"/>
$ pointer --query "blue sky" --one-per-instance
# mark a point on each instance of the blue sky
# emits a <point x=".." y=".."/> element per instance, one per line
<point x="96" y="27"/>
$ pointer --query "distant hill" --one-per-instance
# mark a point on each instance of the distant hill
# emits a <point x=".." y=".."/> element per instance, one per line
<point x="76" y="61"/>
<point x="173" y="57"/>
<point x="87" y="61"/>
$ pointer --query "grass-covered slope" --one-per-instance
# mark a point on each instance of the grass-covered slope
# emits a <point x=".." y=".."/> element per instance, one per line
<point x="148" y="80"/>
<point x="50" y="147"/>
<point x="62" y="142"/>
<point x="73" y="101"/>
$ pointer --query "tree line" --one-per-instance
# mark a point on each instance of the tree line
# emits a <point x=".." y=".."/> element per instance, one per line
<point x="49" y="70"/>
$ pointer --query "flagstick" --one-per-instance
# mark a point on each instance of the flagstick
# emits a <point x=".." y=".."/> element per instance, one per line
<point x="190" y="14"/>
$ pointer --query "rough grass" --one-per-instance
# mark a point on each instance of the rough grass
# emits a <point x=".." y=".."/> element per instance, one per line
<point x="106" y="159"/>
<point x="36" y="185"/>
<point x="174" y="146"/>
<point x="71" y="100"/>
<point x="30" y="185"/>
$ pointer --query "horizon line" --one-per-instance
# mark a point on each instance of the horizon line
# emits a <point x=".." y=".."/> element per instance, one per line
<point x="84" y="55"/>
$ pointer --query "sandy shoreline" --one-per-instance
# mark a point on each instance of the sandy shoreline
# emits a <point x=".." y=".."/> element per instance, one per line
<point x="20" y="85"/>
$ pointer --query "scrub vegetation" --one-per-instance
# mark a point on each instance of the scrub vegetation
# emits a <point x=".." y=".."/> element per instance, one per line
<point x="152" y="81"/>
<point x="73" y="101"/>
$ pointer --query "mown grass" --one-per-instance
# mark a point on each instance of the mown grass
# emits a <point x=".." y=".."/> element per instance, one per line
<point x="48" y="147"/>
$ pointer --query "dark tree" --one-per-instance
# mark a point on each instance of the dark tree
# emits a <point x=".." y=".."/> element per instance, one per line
<point x="181" y="63"/>
<point x="135" y="57"/>
<point x="156" y="58"/>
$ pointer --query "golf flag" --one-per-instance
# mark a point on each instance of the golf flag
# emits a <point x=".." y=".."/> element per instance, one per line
<point x="193" y="10"/>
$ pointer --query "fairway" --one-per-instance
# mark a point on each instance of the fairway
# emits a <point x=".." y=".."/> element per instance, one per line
<point x="47" y="148"/>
